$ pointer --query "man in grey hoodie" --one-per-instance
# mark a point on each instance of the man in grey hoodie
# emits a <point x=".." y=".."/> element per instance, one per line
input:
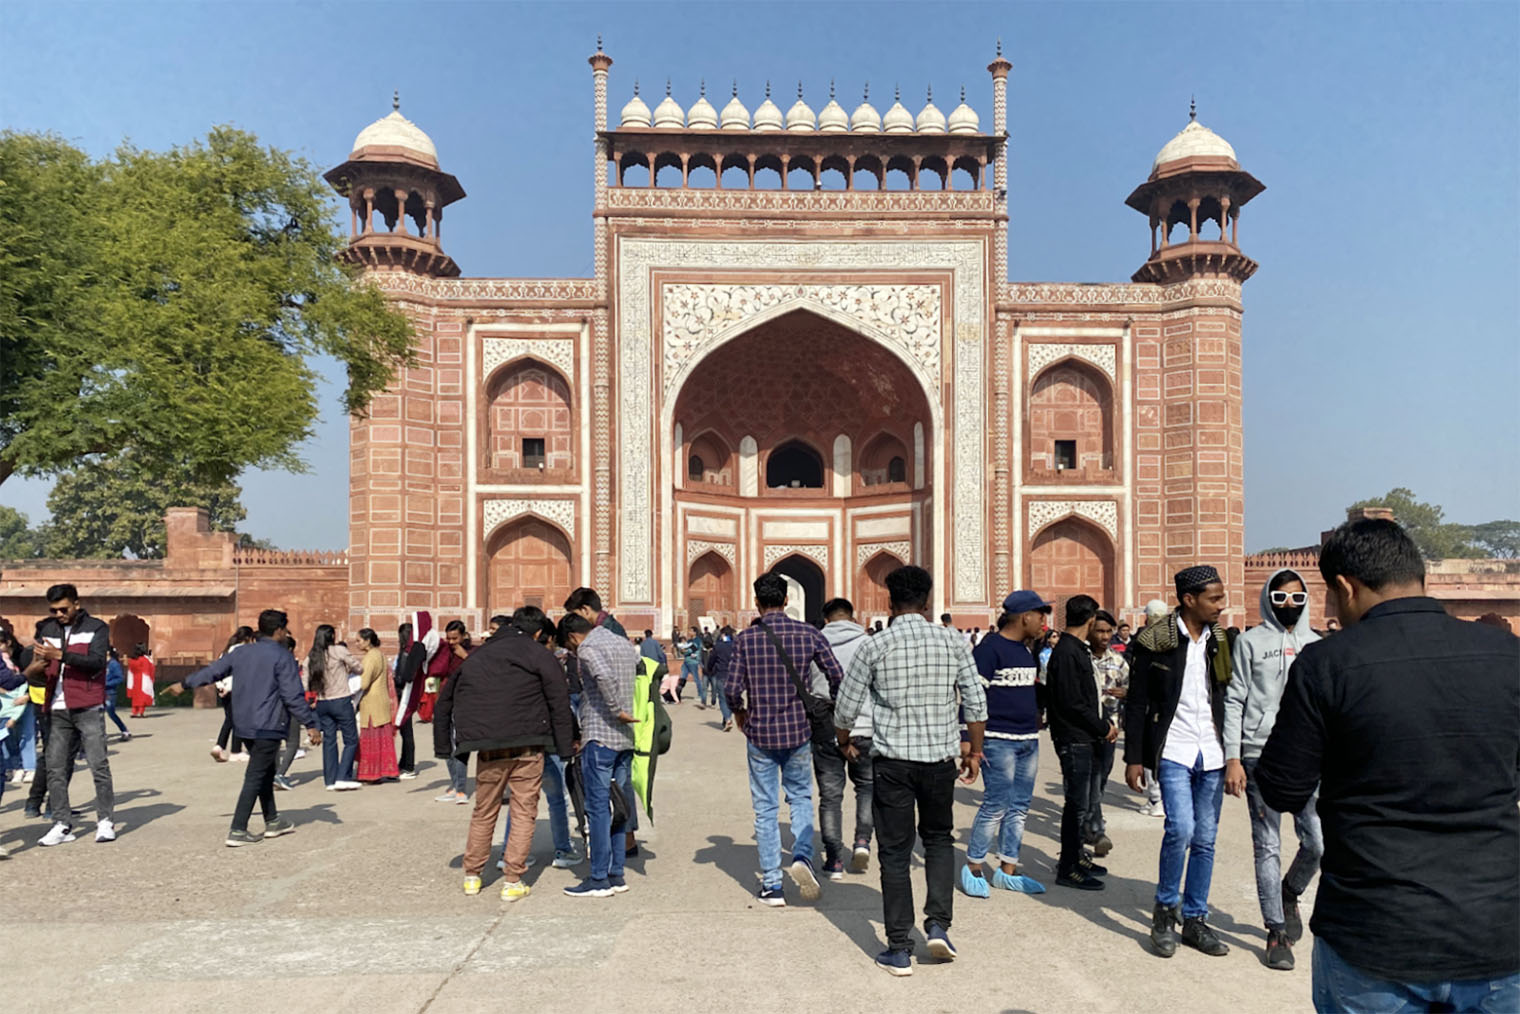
<point x="829" y="764"/>
<point x="1262" y="657"/>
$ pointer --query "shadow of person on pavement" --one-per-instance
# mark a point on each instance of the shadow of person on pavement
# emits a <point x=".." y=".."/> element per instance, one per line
<point x="732" y="858"/>
<point x="137" y="817"/>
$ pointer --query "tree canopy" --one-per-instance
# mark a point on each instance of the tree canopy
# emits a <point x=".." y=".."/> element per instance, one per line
<point x="170" y="304"/>
<point x="1440" y="539"/>
<point x="18" y="541"/>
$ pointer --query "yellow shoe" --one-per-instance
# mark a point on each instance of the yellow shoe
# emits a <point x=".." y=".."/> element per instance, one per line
<point x="472" y="885"/>
<point x="515" y="892"/>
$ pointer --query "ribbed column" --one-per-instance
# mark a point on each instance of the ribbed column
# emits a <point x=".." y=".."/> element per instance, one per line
<point x="999" y="69"/>
<point x="600" y="522"/>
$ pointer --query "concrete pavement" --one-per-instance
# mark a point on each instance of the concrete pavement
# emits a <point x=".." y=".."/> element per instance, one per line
<point x="361" y="909"/>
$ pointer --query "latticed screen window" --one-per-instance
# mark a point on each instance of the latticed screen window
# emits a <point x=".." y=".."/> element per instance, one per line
<point x="533" y="452"/>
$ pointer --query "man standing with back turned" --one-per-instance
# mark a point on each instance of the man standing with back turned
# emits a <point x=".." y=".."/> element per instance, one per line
<point x="1406" y="720"/>
<point x="916" y="678"/>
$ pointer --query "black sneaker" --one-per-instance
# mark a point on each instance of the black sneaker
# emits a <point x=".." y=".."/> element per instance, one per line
<point x="283" y="784"/>
<point x="1279" y="951"/>
<point x="277" y="827"/>
<point x="1086" y="865"/>
<point x="1164" y="930"/>
<point x="1197" y="935"/>
<point x="237" y="839"/>
<point x="1080" y="879"/>
<point x="1293" y="923"/>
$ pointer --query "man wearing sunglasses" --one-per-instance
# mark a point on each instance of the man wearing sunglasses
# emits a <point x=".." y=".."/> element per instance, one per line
<point x="1262" y="657"/>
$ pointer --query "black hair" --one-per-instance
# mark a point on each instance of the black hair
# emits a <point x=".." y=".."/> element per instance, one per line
<point x="944" y="617"/>
<point x="316" y="659"/>
<point x="404" y="635"/>
<point x="838" y="607"/>
<point x="368" y="636"/>
<point x="1007" y="619"/>
<point x="770" y="590"/>
<point x="501" y="620"/>
<point x="909" y="587"/>
<point x="242" y="635"/>
<point x="456" y="627"/>
<point x="583" y="598"/>
<point x="59" y="592"/>
<point x="532" y="621"/>
<point x="1080" y="609"/>
<point x="1282" y="577"/>
<point x="1105" y="616"/>
<point x="728" y="630"/>
<point x="649" y="633"/>
<point x="290" y="644"/>
<point x="572" y="623"/>
<point x="1375" y="551"/>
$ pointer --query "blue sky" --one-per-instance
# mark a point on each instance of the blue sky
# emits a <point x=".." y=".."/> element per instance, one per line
<point x="1382" y="332"/>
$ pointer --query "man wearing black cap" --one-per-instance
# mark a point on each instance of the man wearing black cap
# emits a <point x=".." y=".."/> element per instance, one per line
<point x="1179" y="674"/>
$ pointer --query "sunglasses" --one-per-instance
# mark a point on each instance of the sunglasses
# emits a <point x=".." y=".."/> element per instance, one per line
<point x="1282" y="598"/>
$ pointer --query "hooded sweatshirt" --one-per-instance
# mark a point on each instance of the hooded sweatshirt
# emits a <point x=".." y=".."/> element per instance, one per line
<point x="1262" y="657"/>
<point x="845" y="637"/>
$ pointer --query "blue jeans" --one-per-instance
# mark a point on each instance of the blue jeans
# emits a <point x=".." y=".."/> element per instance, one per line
<point x="459" y="771"/>
<point x="1192" y="797"/>
<point x="559" y="816"/>
<point x="332" y="716"/>
<point x="111" y="710"/>
<point x="795" y="770"/>
<point x="1266" y="843"/>
<point x="600" y="767"/>
<point x="719" y="687"/>
<point x="1341" y="986"/>
<point x="1009" y="768"/>
<point x="23" y="738"/>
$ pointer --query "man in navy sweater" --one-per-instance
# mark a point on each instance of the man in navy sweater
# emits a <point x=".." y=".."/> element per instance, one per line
<point x="1011" y="749"/>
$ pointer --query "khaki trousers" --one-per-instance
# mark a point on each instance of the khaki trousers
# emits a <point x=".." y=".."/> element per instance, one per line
<point x="498" y="771"/>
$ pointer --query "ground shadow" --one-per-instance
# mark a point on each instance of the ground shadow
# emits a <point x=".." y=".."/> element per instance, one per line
<point x="323" y="813"/>
<point x="732" y="858"/>
<point x="130" y="820"/>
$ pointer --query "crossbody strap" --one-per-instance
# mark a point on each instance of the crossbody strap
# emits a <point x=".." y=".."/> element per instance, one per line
<point x="786" y="660"/>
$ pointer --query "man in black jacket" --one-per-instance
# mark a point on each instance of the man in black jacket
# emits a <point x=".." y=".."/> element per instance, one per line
<point x="1078" y="730"/>
<point x="1173" y="724"/>
<point x="1407" y="722"/>
<point x="508" y="702"/>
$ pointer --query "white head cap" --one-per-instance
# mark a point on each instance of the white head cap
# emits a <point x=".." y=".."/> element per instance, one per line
<point x="1155" y="610"/>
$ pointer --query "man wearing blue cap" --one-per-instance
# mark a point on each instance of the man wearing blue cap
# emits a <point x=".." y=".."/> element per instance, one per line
<point x="1011" y="746"/>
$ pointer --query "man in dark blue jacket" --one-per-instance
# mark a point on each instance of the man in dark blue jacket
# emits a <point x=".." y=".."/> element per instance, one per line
<point x="266" y="695"/>
<point x="1406" y="720"/>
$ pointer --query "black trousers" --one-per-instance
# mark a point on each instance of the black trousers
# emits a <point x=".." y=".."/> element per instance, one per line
<point x="292" y="744"/>
<point x="1077" y="763"/>
<point x="258" y="782"/>
<point x="900" y="788"/>
<point x="222" y="738"/>
<point x="408" y="760"/>
<point x="36" y="796"/>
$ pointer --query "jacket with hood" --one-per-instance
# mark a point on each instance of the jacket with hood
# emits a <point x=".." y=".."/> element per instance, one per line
<point x="845" y="637"/>
<point x="1260" y="662"/>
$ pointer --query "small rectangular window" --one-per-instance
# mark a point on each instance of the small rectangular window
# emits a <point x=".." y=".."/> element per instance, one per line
<point x="533" y="452"/>
<point x="1066" y="454"/>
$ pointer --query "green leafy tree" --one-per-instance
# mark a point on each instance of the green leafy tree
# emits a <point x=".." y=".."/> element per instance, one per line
<point x="170" y="305"/>
<point x="114" y="507"/>
<point x="1498" y="538"/>
<point x="18" y="541"/>
<point x="1426" y="523"/>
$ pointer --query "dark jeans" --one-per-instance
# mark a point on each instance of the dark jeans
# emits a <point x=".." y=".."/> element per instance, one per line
<point x="111" y="710"/>
<point x="258" y="782"/>
<point x="332" y="716"/>
<point x="1077" y="763"/>
<point x="408" y="747"/>
<point x="36" y="796"/>
<point x="292" y="744"/>
<point x="227" y="736"/>
<point x="1103" y="766"/>
<point x="900" y="786"/>
<point x="830" y="766"/>
<point x="70" y="730"/>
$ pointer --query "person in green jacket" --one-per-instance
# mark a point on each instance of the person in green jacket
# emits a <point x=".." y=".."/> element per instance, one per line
<point x="651" y="734"/>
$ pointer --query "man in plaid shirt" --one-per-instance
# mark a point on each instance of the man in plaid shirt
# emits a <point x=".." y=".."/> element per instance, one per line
<point x="770" y="713"/>
<point x="917" y="677"/>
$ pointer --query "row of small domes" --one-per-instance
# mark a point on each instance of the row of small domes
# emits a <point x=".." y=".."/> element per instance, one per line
<point x="832" y="119"/>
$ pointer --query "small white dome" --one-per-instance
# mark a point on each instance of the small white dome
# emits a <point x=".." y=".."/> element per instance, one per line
<point x="635" y="113"/>
<point x="1194" y="141"/>
<point x="702" y="116"/>
<point x="395" y="131"/>
<point x="963" y="119"/>
<point x="800" y="116"/>
<point x="930" y="119"/>
<point x="865" y="119"/>
<point x="669" y="112"/>
<point x="767" y="115"/>
<point x="898" y="120"/>
<point x="735" y="115"/>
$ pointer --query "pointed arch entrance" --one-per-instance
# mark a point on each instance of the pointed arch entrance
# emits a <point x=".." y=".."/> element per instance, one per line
<point x="1070" y="557"/>
<point x="806" y="588"/>
<point x="530" y="564"/>
<point x="871" y="588"/>
<point x="710" y="588"/>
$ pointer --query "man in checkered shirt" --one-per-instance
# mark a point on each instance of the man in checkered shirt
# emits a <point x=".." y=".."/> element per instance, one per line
<point x="917" y="677"/>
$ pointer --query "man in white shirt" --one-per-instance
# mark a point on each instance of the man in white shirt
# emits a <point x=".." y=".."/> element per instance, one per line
<point x="1179" y="675"/>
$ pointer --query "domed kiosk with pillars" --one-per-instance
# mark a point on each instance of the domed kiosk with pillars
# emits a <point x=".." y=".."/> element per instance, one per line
<point x="798" y="351"/>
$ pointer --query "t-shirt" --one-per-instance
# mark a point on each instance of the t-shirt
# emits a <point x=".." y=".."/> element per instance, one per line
<point x="1008" y="674"/>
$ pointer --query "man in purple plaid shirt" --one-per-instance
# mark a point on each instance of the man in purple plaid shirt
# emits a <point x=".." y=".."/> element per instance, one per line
<point x="766" y="705"/>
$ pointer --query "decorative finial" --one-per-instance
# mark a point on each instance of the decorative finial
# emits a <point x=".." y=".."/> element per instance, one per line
<point x="702" y="89"/>
<point x="866" y="94"/>
<point x="897" y="93"/>
<point x="767" y="89"/>
<point x="667" y="88"/>
<point x="1000" y="46"/>
<point x="963" y="95"/>
<point x="635" y="87"/>
<point x="396" y="101"/>
<point x="736" y="87"/>
<point x="931" y="95"/>
<point x="1193" y="109"/>
<point x="598" y="42"/>
<point x="831" y="89"/>
<point x="799" y="91"/>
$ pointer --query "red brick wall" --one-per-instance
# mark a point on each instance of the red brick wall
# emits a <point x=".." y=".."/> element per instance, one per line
<point x="529" y="400"/>
<point x="1071" y="402"/>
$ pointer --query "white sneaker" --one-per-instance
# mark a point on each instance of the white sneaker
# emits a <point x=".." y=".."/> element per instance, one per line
<point x="105" y="831"/>
<point x="345" y="786"/>
<point x="404" y="776"/>
<point x="300" y="753"/>
<point x="241" y="757"/>
<point x="29" y="776"/>
<point x="59" y="834"/>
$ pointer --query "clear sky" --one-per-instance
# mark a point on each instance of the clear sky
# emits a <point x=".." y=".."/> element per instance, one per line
<point x="1382" y="332"/>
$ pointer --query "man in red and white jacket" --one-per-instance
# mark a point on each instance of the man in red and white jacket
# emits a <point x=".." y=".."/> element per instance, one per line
<point x="69" y="659"/>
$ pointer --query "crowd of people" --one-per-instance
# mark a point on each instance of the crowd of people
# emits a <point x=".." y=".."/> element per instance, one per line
<point x="1394" y="746"/>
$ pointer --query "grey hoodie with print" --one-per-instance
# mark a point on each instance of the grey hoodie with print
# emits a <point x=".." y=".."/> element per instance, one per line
<point x="1262" y="657"/>
<point x="845" y="637"/>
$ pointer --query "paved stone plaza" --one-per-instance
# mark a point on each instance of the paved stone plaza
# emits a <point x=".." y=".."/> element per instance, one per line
<point x="361" y="909"/>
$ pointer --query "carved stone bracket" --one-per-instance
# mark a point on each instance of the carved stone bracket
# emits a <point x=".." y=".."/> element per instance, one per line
<point x="495" y="513"/>
<point x="557" y="352"/>
<point x="695" y="548"/>
<point x="1042" y="355"/>
<point x="902" y="550"/>
<point x="817" y="553"/>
